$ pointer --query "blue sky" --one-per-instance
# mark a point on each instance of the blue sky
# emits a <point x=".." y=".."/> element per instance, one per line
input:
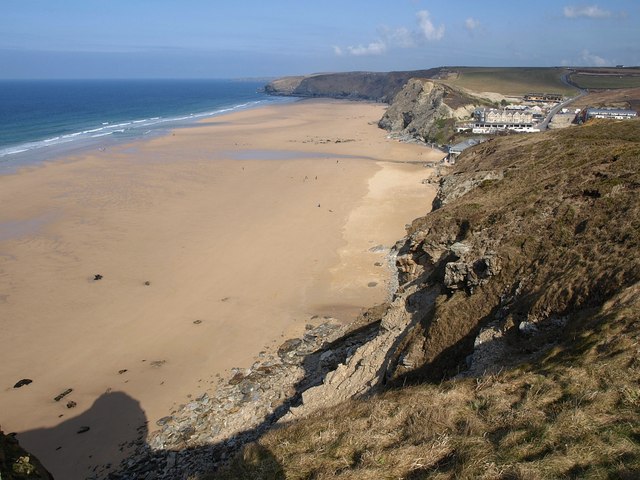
<point x="256" y="38"/>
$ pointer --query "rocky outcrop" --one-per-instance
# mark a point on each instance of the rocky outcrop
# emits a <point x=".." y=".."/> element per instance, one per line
<point x="285" y="86"/>
<point x="455" y="186"/>
<point x="472" y="273"/>
<point x="427" y="110"/>
<point x="373" y="362"/>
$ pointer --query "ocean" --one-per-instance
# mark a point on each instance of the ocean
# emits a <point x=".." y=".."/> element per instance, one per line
<point x="44" y="119"/>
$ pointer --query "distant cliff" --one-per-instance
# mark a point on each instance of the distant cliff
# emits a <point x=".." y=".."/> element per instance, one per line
<point x="376" y="86"/>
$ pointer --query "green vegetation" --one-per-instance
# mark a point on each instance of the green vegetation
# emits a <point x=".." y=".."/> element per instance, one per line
<point x="565" y="222"/>
<point x="444" y="131"/>
<point x="510" y="81"/>
<point x="591" y="81"/>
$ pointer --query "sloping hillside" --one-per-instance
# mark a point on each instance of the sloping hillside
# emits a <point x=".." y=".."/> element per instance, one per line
<point x="511" y="349"/>
<point x="628" y="98"/>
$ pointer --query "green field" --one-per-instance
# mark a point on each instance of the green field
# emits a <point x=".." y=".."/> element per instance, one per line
<point x="510" y="81"/>
<point x="587" y="81"/>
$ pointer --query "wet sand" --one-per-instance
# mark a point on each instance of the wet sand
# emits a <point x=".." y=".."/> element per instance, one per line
<point x="214" y="243"/>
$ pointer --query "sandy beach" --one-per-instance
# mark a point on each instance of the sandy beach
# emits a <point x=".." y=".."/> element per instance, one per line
<point x="213" y="243"/>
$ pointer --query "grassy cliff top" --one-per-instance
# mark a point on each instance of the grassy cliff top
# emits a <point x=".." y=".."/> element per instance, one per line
<point x="509" y="80"/>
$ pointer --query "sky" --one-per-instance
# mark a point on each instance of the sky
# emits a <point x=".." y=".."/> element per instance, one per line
<point x="257" y="38"/>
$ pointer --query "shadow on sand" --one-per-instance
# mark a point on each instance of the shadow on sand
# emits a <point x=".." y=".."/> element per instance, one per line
<point x="95" y="437"/>
<point x="108" y="440"/>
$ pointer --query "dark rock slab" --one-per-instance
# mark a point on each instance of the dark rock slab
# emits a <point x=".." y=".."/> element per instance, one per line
<point x="23" y="382"/>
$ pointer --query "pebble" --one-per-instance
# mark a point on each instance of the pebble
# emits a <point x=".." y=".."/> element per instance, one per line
<point x="63" y="394"/>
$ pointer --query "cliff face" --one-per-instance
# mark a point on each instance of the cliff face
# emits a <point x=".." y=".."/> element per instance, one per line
<point x="376" y="86"/>
<point x="427" y="110"/>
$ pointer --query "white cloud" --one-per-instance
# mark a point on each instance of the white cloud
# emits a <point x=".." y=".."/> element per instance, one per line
<point x="401" y="37"/>
<point x="471" y="24"/>
<point x="588" y="11"/>
<point x="374" y="48"/>
<point x="427" y="28"/>
<point x="593" y="60"/>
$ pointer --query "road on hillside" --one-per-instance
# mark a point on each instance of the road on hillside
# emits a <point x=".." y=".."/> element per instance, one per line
<point x="565" y="79"/>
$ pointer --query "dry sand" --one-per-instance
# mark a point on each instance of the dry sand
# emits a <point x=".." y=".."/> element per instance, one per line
<point x="251" y="223"/>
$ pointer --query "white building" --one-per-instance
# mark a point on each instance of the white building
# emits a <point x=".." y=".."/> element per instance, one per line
<point x="610" y="113"/>
<point x="493" y="120"/>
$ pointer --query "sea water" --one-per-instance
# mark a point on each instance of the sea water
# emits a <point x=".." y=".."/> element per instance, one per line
<point x="43" y="119"/>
